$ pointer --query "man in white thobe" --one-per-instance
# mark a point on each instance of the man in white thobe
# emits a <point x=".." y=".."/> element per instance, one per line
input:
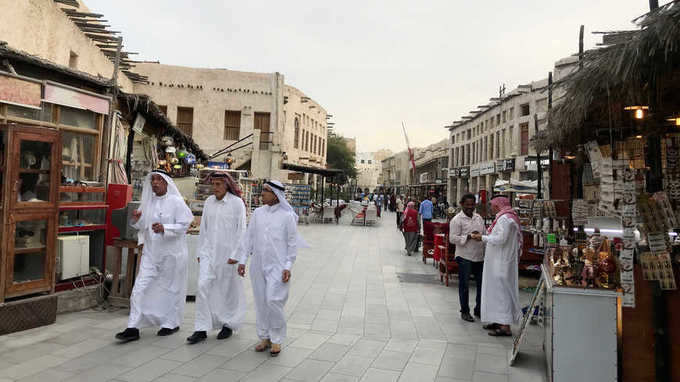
<point x="500" y="294"/>
<point x="160" y="287"/>
<point x="272" y="238"/>
<point x="220" y="301"/>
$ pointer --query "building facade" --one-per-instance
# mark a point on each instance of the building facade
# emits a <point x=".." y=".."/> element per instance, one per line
<point x="396" y="171"/>
<point x="369" y="171"/>
<point x="492" y="142"/>
<point x="219" y="107"/>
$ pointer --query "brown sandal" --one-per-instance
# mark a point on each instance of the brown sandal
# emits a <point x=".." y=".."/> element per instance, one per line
<point x="276" y="349"/>
<point x="263" y="345"/>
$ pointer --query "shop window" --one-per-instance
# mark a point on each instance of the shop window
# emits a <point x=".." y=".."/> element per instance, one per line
<point x="78" y="118"/>
<point x="524" y="110"/>
<point x="185" y="120"/>
<point x="44" y="115"/>
<point x="79" y="156"/>
<point x="296" y="139"/>
<point x="524" y="138"/>
<point x="232" y="125"/>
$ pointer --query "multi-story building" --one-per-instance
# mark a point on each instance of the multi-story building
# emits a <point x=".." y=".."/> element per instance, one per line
<point x="493" y="142"/>
<point x="396" y="171"/>
<point x="219" y="107"/>
<point x="368" y="171"/>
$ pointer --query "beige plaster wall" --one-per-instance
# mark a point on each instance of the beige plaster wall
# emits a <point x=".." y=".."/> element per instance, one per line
<point x="40" y="28"/>
<point x="312" y="119"/>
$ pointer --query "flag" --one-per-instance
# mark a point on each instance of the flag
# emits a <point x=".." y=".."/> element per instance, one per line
<point x="410" y="152"/>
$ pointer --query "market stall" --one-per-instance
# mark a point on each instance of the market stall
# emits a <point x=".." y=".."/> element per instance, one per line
<point x="618" y="138"/>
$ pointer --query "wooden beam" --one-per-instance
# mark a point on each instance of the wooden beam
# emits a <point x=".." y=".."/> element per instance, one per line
<point x="72" y="3"/>
<point x="76" y="13"/>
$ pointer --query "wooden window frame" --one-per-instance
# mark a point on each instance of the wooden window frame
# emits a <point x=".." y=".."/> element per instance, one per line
<point x="182" y="125"/>
<point x="524" y="143"/>
<point x="232" y="132"/>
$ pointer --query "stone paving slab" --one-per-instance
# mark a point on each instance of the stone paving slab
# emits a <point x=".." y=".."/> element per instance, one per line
<point x="359" y="310"/>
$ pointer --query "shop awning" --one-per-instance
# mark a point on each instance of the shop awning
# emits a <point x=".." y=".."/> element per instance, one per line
<point x="325" y="172"/>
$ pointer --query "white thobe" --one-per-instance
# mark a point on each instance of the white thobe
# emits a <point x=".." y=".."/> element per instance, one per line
<point x="221" y="300"/>
<point x="160" y="287"/>
<point x="500" y="291"/>
<point x="272" y="239"/>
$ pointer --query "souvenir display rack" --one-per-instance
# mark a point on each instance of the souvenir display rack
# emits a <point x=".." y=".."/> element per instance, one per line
<point x="299" y="197"/>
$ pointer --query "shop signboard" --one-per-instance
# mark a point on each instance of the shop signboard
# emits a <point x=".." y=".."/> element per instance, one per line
<point x="66" y="96"/>
<point x="296" y="176"/>
<point x="423" y="178"/>
<point x="20" y="92"/>
<point x="464" y="172"/>
<point x="503" y="165"/>
<point x="455" y="172"/>
<point x="486" y="168"/>
<point x="530" y="163"/>
<point x="474" y="170"/>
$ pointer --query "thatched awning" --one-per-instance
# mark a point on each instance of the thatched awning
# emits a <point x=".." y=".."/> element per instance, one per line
<point x="143" y="104"/>
<point x="616" y="75"/>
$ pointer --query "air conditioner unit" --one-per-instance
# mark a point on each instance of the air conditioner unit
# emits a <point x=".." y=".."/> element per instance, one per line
<point x="73" y="256"/>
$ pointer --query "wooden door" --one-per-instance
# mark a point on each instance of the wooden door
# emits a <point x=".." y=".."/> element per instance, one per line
<point x="262" y="121"/>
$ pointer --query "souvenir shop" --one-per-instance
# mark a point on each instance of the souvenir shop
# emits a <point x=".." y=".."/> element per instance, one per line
<point x="609" y="231"/>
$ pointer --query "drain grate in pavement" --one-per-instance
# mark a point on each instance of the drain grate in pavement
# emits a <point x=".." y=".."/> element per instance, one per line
<point x="419" y="278"/>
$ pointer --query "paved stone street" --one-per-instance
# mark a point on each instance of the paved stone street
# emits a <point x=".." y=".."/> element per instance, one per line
<point x="351" y="318"/>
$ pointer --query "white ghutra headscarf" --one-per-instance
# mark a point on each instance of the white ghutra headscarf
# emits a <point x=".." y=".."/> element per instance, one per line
<point x="280" y="191"/>
<point x="147" y="197"/>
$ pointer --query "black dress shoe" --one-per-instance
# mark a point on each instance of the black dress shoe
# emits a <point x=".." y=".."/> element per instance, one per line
<point x="478" y="314"/>
<point x="197" y="337"/>
<point x="224" y="333"/>
<point x="166" y="332"/>
<point x="467" y="317"/>
<point x="127" y="335"/>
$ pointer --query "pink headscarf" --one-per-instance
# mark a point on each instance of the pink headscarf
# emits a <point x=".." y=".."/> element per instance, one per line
<point x="410" y="205"/>
<point x="502" y="203"/>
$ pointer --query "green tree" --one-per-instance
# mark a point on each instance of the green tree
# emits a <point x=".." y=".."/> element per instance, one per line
<point x="339" y="156"/>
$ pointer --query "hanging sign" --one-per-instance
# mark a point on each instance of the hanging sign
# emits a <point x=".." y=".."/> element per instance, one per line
<point x="65" y="96"/>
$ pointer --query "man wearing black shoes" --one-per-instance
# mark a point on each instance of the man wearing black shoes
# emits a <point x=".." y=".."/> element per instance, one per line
<point x="221" y="300"/>
<point x="469" y="253"/>
<point x="160" y="288"/>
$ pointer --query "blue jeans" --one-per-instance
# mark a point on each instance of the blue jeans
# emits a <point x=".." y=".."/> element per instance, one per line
<point x="465" y="268"/>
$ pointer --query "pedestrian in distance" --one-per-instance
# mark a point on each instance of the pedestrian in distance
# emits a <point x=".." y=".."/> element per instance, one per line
<point x="160" y="287"/>
<point x="400" y="209"/>
<point x="500" y="294"/>
<point x="469" y="253"/>
<point x="426" y="209"/>
<point x="410" y="228"/>
<point x="220" y="299"/>
<point x="273" y="240"/>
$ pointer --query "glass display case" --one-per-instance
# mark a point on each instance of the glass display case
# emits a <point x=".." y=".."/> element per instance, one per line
<point x="82" y="208"/>
<point x="29" y="177"/>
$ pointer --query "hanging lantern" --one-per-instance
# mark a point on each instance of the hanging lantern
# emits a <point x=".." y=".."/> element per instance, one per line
<point x="639" y="112"/>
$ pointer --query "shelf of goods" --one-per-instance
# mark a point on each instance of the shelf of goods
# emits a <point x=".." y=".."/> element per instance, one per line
<point x="299" y="196"/>
<point x="81" y="232"/>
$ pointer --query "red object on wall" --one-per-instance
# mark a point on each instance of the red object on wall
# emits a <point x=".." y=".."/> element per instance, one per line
<point x="118" y="196"/>
<point x="482" y="196"/>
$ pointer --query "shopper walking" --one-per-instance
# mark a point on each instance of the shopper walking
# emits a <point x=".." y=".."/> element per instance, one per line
<point x="410" y="228"/>
<point x="273" y="241"/>
<point x="221" y="300"/>
<point x="160" y="287"/>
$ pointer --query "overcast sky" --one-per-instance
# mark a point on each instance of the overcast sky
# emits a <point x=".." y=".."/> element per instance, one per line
<point x="373" y="64"/>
